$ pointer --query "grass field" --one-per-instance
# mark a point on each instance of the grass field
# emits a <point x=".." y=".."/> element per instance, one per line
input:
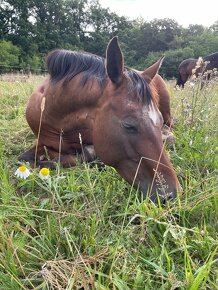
<point x="88" y="229"/>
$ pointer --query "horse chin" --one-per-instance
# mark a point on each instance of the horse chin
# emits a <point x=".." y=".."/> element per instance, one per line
<point x="151" y="190"/>
<point x="158" y="195"/>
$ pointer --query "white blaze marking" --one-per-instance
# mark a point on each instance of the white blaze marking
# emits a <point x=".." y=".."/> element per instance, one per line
<point x="153" y="113"/>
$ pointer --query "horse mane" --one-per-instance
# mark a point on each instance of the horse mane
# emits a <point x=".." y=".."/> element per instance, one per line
<point x="64" y="65"/>
<point x="139" y="85"/>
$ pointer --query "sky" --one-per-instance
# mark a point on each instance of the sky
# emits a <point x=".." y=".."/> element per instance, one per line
<point x="184" y="12"/>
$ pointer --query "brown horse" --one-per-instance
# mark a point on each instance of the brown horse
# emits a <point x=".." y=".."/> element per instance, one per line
<point x="190" y="66"/>
<point x="90" y="106"/>
<point x="185" y="71"/>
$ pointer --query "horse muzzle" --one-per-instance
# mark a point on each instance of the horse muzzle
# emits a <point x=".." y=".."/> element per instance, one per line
<point x="162" y="194"/>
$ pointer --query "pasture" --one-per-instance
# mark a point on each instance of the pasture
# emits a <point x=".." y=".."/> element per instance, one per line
<point x="86" y="228"/>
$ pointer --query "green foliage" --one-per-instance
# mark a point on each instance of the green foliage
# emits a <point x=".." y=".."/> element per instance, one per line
<point x="37" y="27"/>
<point x="34" y="61"/>
<point x="172" y="60"/>
<point x="204" y="44"/>
<point x="214" y="28"/>
<point x="9" y="53"/>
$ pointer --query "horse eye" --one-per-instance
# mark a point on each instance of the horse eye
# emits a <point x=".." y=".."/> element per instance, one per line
<point x="131" y="128"/>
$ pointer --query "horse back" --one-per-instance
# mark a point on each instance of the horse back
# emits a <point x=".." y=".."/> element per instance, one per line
<point x="212" y="59"/>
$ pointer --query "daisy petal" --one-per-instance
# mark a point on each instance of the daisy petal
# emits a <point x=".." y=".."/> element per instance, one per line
<point x="22" y="172"/>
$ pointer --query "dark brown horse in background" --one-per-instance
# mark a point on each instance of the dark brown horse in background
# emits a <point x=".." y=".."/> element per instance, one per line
<point x="188" y="68"/>
<point x="185" y="71"/>
<point x="90" y="106"/>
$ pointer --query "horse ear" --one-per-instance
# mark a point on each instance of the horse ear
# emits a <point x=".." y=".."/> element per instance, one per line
<point x="150" y="72"/>
<point x="114" y="61"/>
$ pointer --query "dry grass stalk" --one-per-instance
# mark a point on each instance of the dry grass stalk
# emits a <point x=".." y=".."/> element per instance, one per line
<point x="59" y="274"/>
<point x="40" y="125"/>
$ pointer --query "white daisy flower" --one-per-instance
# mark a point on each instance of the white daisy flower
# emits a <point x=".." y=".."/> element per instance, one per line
<point x="22" y="172"/>
<point x="44" y="173"/>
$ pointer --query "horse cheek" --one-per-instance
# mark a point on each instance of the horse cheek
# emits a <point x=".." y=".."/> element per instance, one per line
<point x="105" y="141"/>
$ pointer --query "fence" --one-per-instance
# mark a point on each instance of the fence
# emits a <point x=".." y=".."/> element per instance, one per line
<point x="18" y="73"/>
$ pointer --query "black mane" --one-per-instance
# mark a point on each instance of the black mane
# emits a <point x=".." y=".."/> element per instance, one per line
<point x="65" y="65"/>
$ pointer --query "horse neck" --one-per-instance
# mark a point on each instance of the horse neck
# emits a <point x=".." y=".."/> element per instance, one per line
<point x="72" y="96"/>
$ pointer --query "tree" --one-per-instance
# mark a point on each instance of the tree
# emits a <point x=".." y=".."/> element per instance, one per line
<point x="204" y="44"/>
<point x="164" y="32"/>
<point x="172" y="60"/>
<point x="102" y="24"/>
<point x="9" y="53"/>
<point x="214" y="28"/>
<point x="36" y="27"/>
<point x="5" y="19"/>
<point x="54" y="24"/>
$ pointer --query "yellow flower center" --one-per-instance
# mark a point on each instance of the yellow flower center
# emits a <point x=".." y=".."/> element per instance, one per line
<point x="22" y="168"/>
<point x="44" y="171"/>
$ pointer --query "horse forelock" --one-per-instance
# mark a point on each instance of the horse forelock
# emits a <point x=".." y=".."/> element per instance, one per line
<point x="139" y="86"/>
<point x="65" y="65"/>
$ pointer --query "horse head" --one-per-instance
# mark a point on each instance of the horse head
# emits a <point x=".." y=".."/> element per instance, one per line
<point x="110" y="111"/>
<point x="127" y="128"/>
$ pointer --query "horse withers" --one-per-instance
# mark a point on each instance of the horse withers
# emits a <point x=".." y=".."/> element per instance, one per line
<point x="90" y="106"/>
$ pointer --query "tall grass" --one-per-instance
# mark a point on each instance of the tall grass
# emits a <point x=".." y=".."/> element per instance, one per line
<point x="86" y="228"/>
